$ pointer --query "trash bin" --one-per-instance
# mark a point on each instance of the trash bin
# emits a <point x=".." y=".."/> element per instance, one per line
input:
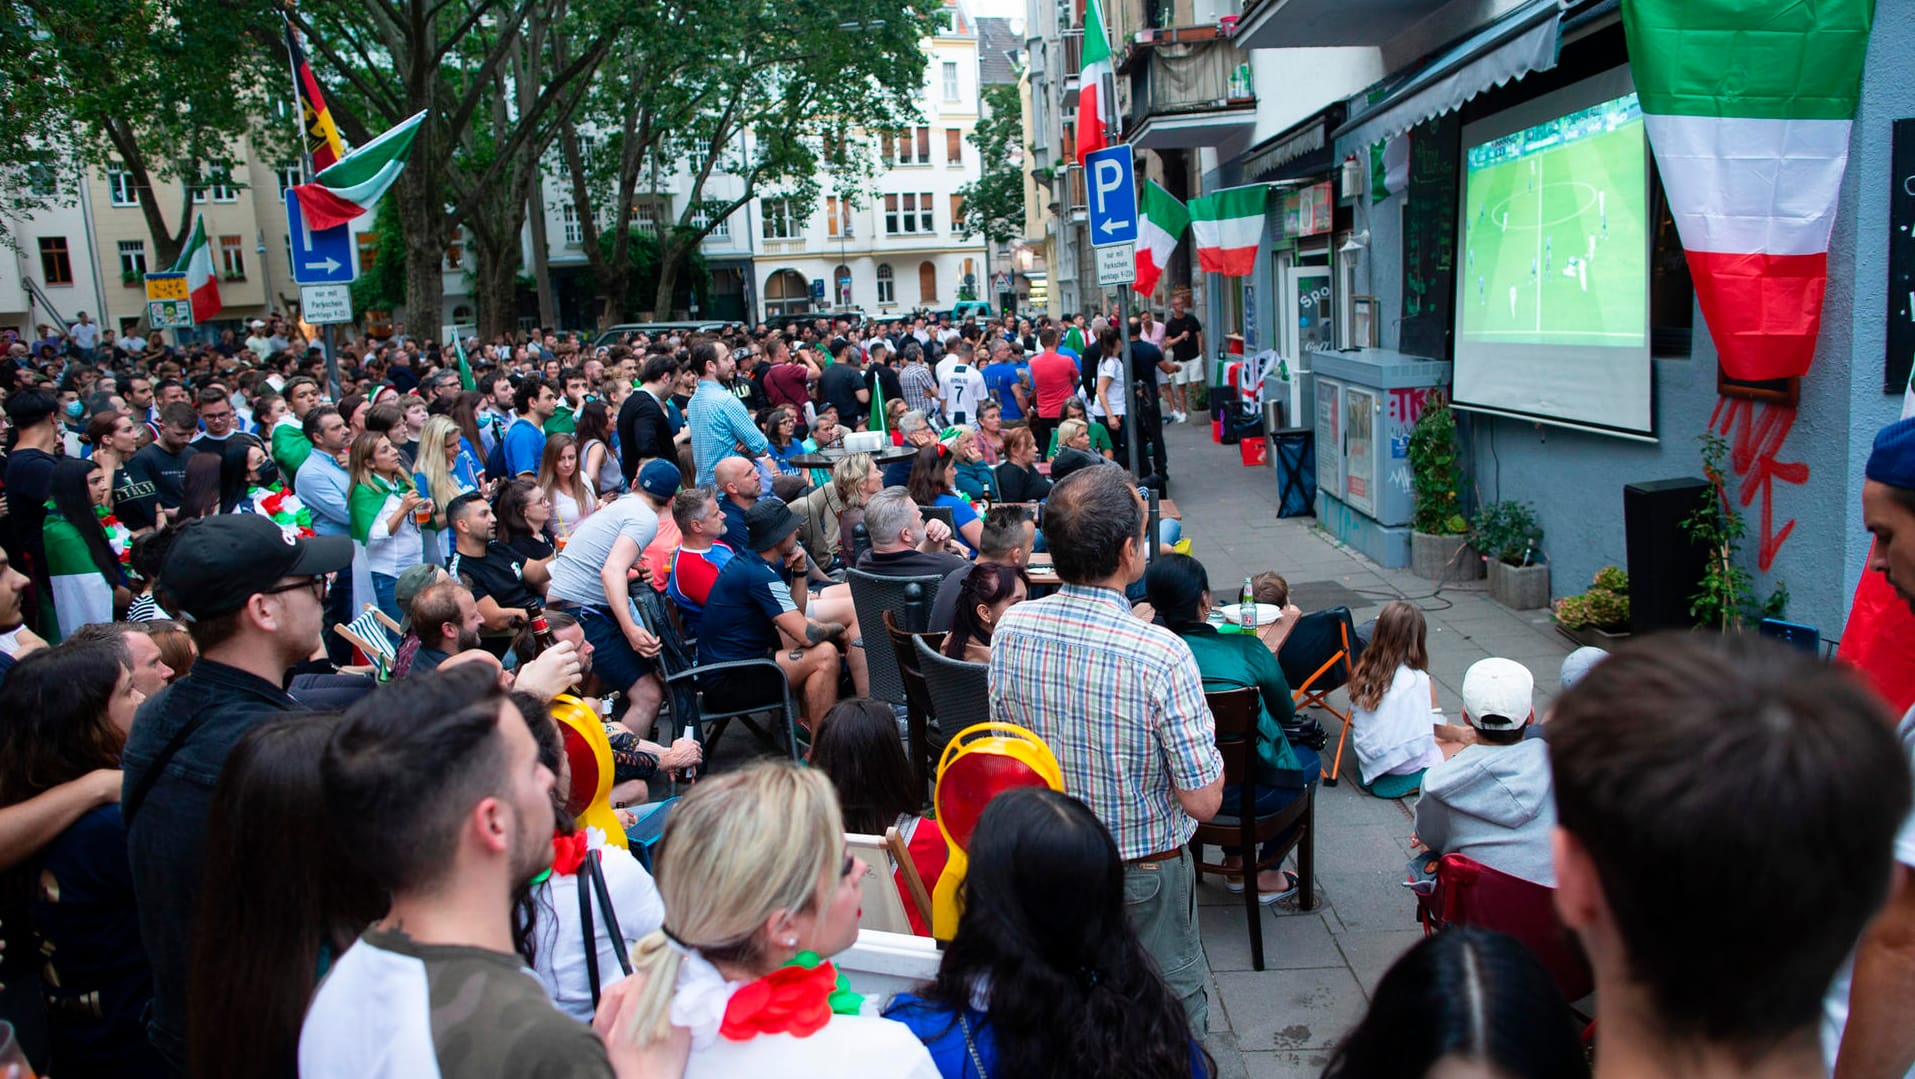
<point x="1294" y="453"/>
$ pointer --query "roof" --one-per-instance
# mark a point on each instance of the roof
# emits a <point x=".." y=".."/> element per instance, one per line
<point x="995" y="44"/>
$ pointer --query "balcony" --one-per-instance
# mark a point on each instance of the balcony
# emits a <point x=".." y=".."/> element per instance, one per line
<point x="1070" y="56"/>
<point x="1187" y="93"/>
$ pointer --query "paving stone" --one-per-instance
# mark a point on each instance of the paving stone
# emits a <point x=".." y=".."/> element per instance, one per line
<point x="1291" y="1009"/>
<point x="1369" y="955"/>
<point x="1307" y="1065"/>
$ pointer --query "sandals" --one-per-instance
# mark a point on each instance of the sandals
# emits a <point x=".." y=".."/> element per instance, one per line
<point x="1234" y="885"/>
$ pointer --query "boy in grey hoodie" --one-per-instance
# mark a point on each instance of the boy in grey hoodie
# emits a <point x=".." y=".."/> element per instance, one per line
<point x="1493" y="801"/>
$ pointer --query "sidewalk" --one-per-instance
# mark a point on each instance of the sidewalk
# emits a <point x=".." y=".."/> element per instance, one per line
<point x="1321" y="966"/>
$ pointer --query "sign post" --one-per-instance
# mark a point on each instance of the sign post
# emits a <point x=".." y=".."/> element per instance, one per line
<point x="1110" y="185"/>
<point x="322" y="257"/>
<point x="169" y="303"/>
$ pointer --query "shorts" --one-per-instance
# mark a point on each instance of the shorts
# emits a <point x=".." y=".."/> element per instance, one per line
<point x="738" y="690"/>
<point x="1192" y="371"/>
<point x="613" y="659"/>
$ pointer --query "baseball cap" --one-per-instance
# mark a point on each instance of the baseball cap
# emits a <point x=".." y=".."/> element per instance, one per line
<point x="659" y="478"/>
<point x="217" y="563"/>
<point x="1497" y="694"/>
<point x="412" y="582"/>
<point x="1577" y="663"/>
<point x="258" y="324"/>
<point x="768" y="521"/>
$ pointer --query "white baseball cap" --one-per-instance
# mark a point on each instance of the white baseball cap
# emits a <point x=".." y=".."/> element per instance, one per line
<point x="258" y="325"/>
<point x="1497" y="695"/>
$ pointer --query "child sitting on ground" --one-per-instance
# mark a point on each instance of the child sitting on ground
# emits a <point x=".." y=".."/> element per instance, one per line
<point x="1399" y="731"/>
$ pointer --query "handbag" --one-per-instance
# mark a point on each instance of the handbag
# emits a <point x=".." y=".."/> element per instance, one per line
<point x="589" y="870"/>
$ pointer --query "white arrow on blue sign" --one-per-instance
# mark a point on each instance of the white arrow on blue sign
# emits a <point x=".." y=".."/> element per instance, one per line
<point x="1112" y="190"/>
<point x="320" y="256"/>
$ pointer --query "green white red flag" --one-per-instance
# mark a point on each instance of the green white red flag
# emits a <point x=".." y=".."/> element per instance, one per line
<point x="1748" y="104"/>
<point x="1227" y="227"/>
<point x="1163" y="222"/>
<point x="1096" y="85"/>
<point x="354" y="185"/>
<point x="196" y="262"/>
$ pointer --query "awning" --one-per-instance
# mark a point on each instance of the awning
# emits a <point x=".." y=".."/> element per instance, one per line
<point x="1309" y="137"/>
<point x="1521" y="42"/>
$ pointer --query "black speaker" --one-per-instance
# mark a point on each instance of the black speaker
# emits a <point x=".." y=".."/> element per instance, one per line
<point x="1665" y="565"/>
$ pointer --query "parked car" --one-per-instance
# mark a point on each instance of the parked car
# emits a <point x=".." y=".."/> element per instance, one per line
<point x="612" y="334"/>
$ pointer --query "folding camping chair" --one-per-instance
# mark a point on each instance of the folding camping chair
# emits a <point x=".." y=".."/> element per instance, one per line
<point x="368" y="634"/>
<point x="1318" y="658"/>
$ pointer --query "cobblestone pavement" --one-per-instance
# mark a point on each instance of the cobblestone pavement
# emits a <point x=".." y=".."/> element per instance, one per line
<point x="1321" y="966"/>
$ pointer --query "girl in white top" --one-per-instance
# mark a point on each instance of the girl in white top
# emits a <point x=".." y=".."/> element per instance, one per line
<point x="1397" y="725"/>
<point x="572" y="497"/>
<point x="759" y="892"/>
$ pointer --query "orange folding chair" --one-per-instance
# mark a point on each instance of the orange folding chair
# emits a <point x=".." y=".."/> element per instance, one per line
<point x="1317" y="659"/>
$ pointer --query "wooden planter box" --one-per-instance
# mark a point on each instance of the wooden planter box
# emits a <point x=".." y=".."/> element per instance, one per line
<point x="1592" y="636"/>
<point x="1431" y="554"/>
<point x="1520" y="588"/>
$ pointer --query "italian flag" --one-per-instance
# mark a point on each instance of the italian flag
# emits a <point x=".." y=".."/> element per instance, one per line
<point x="1164" y="220"/>
<point x="82" y="592"/>
<point x="1227" y="228"/>
<point x="1879" y="637"/>
<point x="196" y="262"/>
<point x="1096" y="85"/>
<point x="351" y="187"/>
<point x="1747" y="104"/>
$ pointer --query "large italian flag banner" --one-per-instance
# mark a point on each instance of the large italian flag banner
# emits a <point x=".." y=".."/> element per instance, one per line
<point x="202" y="282"/>
<point x="1163" y="222"/>
<point x="1747" y="105"/>
<point x="1227" y="227"/>
<point x="1096" y="85"/>
<point x="351" y="187"/>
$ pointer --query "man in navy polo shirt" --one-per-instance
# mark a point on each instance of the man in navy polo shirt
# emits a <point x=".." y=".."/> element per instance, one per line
<point x="754" y="612"/>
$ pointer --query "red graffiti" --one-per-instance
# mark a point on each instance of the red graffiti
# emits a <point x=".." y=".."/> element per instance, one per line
<point x="1406" y="405"/>
<point x="1755" y="437"/>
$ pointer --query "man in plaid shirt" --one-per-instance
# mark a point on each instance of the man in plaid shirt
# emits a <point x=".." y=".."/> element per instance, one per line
<point x="1121" y="703"/>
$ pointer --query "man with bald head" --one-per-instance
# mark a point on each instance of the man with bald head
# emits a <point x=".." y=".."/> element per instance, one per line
<point x="739" y="485"/>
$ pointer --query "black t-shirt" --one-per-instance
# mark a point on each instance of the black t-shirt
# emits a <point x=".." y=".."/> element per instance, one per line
<point x="911" y="563"/>
<point x="29" y="481"/>
<point x="750" y="389"/>
<point x="531" y="548"/>
<point x="500" y="574"/>
<point x="209" y="444"/>
<point x="160" y="477"/>
<point x="884" y="377"/>
<point x="1186" y="350"/>
<point x="839" y="385"/>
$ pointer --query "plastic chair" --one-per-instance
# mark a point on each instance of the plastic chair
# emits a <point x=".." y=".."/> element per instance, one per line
<point x="940" y="513"/>
<point x="1470" y="893"/>
<point x="920" y="712"/>
<point x="1318" y="658"/>
<point x="980" y="763"/>
<point x="962" y="690"/>
<point x="872" y="594"/>
<point x="1235" y="712"/>
<point x="683" y="684"/>
<point x="589" y="753"/>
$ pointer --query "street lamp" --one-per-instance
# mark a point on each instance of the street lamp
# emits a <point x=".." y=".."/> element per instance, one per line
<point x="265" y="269"/>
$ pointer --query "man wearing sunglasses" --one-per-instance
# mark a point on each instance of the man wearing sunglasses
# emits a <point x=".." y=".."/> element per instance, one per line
<point x="254" y="600"/>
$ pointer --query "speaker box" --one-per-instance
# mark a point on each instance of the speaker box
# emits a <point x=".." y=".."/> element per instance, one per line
<point x="1665" y="565"/>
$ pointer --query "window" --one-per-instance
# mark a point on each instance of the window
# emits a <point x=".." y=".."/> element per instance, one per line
<point x="41" y="179"/>
<point x="455" y="251"/>
<point x="645" y="215"/>
<point x="290" y="177"/>
<point x="219" y="189"/>
<point x="122" y="188"/>
<point x="950" y="80"/>
<point x="779" y="221"/>
<point x="957" y="212"/>
<point x="924" y="146"/>
<point x="831" y="217"/>
<point x="953" y="147"/>
<point x="925" y="222"/>
<point x="910" y="148"/>
<point x="132" y="261"/>
<point x="56" y="265"/>
<point x="887" y="284"/>
<point x="927" y="282"/>
<point x="574" y="229"/>
<point x="232" y="257"/>
<point x="368" y="250"/>
<point x="907" y="214"/>
<point x="701" y="218"/>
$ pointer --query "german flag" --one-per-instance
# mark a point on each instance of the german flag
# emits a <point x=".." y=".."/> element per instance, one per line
<point x="322" y="138"/>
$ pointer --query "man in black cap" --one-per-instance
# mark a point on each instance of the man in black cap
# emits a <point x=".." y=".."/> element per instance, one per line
<point x="753" y="602"/>
<point x="253" y="598"/>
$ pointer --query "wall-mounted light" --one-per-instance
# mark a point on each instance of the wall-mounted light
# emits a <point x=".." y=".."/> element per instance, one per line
<point x="1357" y="242"/>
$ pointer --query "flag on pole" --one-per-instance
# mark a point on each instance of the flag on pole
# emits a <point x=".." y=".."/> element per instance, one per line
<point x="466" y="381"/>
<point x="876" y="421"/>
<point x="353" y="185"/>
<point x="1748" y="104"/>
<point x="196" y="262"/>
<point x="1096" y="84"/>
<point x="1163" y="224"/>
<point x="322" y="136"/>
<point x="1227" y="228"/>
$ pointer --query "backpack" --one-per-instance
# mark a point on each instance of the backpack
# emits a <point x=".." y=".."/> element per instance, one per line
<point x="495" y="467"/>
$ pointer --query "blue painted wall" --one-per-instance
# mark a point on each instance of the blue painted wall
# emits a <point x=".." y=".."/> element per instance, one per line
<point x="1575" y="480"/>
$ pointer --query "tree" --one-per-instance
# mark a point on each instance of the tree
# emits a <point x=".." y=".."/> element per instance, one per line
<point x="994" y="202"/>
<point x="160" y="89"/>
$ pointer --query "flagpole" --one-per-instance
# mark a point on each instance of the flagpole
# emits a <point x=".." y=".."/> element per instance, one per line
<point x="1114" y="137"/>
<point x="305" y="156"/>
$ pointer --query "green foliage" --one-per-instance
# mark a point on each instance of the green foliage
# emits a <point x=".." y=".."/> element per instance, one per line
<point x="382" y="286"/>
<point x="1604" y="606"/>
<point x="643" y="260"/>
<point x="1777" y="605"/>
<point x="1726" y="592"/>
<point x="1507" y="531"/>
<point x="1435" y="476"/>
<point x="994" y="202"/>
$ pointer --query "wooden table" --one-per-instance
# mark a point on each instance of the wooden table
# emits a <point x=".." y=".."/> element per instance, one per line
<point x="1043" y="574"/>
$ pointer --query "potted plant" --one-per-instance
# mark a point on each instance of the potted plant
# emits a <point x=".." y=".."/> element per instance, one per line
<point x="1599" y="616"/>
<point x="1511" y="541"/>
<point x="1439" y="547"/>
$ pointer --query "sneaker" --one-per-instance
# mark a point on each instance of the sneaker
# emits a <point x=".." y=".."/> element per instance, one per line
<point x="1180" y="417"/>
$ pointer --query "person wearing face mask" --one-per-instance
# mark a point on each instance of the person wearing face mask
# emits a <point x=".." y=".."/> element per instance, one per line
<point x="73" y="427"/>
<point x="268" y="495"/>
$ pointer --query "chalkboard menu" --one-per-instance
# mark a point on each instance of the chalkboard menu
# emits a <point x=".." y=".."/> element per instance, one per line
<point x="1429" y="238"/>
<point x="1901" y="259"/>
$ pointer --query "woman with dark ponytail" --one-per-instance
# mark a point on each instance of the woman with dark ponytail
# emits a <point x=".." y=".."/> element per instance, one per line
<point x="1045" y="978"/>
<point x="84" y="547"/>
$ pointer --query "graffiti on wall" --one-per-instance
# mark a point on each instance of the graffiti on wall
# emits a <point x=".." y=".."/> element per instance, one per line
<point x="1756" y="432"/>
<point x="1406" y="404"/>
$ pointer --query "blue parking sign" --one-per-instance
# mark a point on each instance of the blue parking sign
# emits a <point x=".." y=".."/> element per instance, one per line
<point x="1111" y="188"/>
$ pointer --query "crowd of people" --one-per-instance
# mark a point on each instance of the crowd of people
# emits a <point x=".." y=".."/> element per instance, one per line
<point x="239" y="842"/>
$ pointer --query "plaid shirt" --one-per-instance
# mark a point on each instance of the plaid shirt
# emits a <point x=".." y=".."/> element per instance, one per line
<point x="720" y="422"/>
<point x="918" y="384"/>
<point x="1121" y="704"/>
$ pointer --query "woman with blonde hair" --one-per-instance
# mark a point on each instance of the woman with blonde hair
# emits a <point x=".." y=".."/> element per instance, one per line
<point x="382" y="508"/>
<point x="443" y="472"/>
<point x="760" y="891"/>
<point x="560" y="476"/>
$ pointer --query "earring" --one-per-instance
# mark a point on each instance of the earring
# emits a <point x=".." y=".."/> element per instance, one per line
<point x="791" y="942"/>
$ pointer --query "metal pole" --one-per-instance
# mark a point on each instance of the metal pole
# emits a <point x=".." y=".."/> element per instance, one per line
<point x="1130" y="406"/>
<point x="332" y="361"/>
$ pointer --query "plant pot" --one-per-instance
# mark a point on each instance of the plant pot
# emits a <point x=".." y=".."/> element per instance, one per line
<point x="1520" y="588"/>
<point x="1433" y="557"/>
<point x="1593" y="636"/>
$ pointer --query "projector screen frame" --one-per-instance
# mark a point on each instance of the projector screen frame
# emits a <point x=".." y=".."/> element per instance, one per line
<point x="1608" y="84"/>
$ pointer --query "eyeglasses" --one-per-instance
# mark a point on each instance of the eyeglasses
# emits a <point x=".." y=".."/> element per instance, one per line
<point x="317" y="583"/>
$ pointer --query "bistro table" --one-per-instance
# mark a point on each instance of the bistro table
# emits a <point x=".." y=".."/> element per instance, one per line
<point x="826" y="458"/>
